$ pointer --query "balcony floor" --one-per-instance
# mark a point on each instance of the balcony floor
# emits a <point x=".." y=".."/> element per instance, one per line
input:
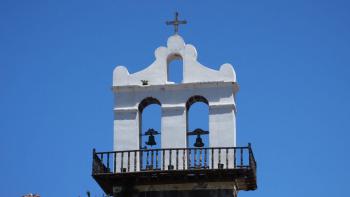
<point x="242" y="178"/>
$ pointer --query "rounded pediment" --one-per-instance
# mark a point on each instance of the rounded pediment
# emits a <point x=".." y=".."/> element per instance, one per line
<point x="158" y="72"/>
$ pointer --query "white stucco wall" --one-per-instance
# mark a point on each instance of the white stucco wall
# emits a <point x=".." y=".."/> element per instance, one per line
<point x="173" y="98"/>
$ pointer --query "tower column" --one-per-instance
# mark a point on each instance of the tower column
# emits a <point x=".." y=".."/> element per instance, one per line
<point x="174" y="133"/>
<point x="222" y="133"/>
<point x="126" y="136"/>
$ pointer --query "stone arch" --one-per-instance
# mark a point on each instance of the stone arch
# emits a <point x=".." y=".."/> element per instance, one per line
<point x="194" y="99"/>
<point x="148" y="101"/>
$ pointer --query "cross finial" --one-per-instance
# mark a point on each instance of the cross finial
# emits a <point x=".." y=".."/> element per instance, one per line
<point x="176" y="22"/>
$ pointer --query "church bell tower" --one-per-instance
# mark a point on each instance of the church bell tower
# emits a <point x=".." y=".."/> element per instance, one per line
<point x="214" y="167"/>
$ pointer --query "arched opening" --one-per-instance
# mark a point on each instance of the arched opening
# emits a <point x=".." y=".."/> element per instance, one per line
<point x="175" y="68"/>
<point x="197" y="109"/>
<point x="150" y="125"/>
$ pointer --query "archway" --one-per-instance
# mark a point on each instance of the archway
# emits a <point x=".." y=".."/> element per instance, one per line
<point x="150" y="125"/>
<point x="175" y="68"/>
<point x="197" y="114"/>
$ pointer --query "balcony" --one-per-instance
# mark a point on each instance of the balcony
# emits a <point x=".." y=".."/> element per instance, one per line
<point x="166" y="167"/>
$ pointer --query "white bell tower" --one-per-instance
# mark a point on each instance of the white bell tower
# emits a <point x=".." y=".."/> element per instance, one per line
<point x="133" y="92"/>
<point x="175" y="168"/>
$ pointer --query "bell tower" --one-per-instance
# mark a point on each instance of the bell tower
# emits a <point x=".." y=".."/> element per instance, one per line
<point x="215" y="168"/>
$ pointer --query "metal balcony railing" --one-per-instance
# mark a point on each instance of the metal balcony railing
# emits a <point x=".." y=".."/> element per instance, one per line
<point x="133" y="161"/>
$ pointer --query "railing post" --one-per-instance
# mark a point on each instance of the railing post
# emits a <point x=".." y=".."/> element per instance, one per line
<point x="220" y="165"/>
<point x="234" y="157"/>
<point x="212" y="158"/>
<point x="226" y="158"/>
<point x="205" y="158"/>
<point x="249" y="154"/>
<point x="93" y="160"/>
<point x="241" y="157"/>
<point x="147" y="162"/>
<point x="163" y="159"/>
<point x="183" y="159"/>
<point x="135" y="161"/>
<point x="107" y="161"/>
<point x="177" y="159"/>
<point x="195" y="158"/>
<point x="141" y="159"/>
<point x="152" y="159"/>
<point x="189" y="158"/>
<point x="170" y="166"/>
<point x="128" y="161"/>
<point x="200" y="158"/>
<point x="156" y="159"/>
<point x="122" y="163"/>
<point x="252" y="163"/>
<point x="115" y="162"/>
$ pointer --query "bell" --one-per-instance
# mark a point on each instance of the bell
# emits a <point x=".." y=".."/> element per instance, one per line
<point x="199" y="142"/>
<point x="151" y="141"/>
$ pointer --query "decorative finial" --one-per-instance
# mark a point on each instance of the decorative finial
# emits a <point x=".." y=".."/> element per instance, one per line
<point x="176" y="22"/>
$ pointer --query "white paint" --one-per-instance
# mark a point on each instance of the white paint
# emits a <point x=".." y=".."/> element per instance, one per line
<point x="218" y="87"/>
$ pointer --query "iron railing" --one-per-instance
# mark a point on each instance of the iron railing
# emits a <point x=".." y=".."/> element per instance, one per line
<point x="173" y="159"/>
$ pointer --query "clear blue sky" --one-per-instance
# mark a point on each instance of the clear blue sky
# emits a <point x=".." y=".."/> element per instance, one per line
<point x="291" y="58"/>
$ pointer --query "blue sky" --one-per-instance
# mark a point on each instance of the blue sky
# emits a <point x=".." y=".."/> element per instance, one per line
<point x="291" y="58"/>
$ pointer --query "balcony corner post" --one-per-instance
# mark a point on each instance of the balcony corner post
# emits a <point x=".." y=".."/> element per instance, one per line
<point x="93" y="160"/>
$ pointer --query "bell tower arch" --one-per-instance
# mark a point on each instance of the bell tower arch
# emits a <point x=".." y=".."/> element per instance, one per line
<point x="197" y="136"/>
<point x="148" y="135"/>
<point x="174" y="68"/>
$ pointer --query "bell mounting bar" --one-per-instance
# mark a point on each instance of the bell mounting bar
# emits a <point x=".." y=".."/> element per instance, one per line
<point x="198" y="132"/>
<point x="151" y="131"/>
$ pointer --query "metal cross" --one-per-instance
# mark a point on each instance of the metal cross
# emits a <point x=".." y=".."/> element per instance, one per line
<point x="176" y="22"/>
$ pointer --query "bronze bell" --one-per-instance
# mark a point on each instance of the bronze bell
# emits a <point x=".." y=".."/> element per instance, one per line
<point x="151" y="141"/>
<point x="199" y="142"/>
